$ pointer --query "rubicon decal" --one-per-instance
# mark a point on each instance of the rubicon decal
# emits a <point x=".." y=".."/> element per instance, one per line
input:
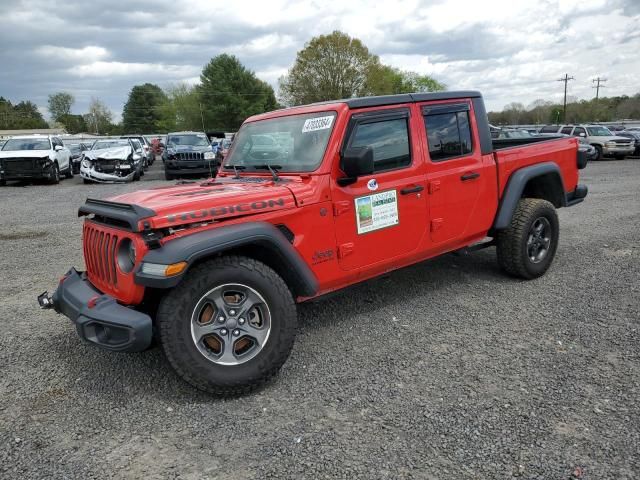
<point x="226" y="210"/>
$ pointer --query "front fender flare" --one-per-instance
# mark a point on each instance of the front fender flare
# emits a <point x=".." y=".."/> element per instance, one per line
<point x="515" y="187"/>
<point x="195" y="247"/>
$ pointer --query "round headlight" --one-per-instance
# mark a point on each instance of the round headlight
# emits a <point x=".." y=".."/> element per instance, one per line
<point x="126" y="255"/>
<point x="209" y="155"/>
<point x="85" y="163"/>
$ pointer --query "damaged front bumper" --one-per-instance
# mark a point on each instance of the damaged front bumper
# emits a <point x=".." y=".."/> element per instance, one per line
<point x="99" y="318"/>
<point x="90" y="173"/>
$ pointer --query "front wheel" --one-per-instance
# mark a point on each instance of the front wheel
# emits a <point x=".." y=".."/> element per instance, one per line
<point x="526" y="249"/>
<point x="55" y="174"/>
<point x="599" y="154"/>
<point x="69" y="172"/>
<point x="229" y="326"/>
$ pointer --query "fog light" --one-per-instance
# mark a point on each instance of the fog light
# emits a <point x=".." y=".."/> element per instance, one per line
<point x="161" y="270"/>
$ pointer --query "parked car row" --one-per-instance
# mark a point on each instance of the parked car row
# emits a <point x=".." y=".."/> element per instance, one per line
<point x="46" y="157"/>
<point x="603" y="141"/>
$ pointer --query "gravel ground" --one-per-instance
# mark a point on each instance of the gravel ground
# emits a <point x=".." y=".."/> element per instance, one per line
<point x="447" y="369"/>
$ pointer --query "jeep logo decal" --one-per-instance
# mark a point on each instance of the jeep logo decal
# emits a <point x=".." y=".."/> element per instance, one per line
<point x="225" y="210"/>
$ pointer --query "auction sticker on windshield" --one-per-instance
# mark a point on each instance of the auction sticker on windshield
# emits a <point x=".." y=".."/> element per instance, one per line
<point x="318" y="123"/>
<point x="376" y="211"/>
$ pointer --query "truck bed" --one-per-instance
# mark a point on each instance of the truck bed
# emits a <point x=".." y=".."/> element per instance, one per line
<point x="514" y="153"/>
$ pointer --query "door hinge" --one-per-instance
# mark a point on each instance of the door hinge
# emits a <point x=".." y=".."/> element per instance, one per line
<point x="341" y="207"/>
<point x="436" y="224"/>
<point x="345" y="249"/>
<point x="434" y="186"/>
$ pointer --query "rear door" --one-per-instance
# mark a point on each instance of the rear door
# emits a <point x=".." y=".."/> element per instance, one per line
<point x="383" y="215"/>
<point x="457" y="175"/>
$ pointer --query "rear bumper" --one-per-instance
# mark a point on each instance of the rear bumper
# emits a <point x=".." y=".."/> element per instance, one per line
<point x="577" y="196"/>
<point x="99" y="318"/>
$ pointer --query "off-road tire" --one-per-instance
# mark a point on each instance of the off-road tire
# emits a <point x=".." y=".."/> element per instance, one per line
<point x="174" y="322"/>
<point x="168" y="176"/>
<point x="512" y="243"/>
<point x="55" y="174"/>
<point x="599" y="154"/>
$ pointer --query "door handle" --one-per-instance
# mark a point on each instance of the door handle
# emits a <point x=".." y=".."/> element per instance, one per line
<point x="409" y="190"/>
<point x="469" y="176"/>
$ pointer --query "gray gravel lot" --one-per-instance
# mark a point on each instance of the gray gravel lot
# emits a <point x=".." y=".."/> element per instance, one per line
<point x="447" y="369"/>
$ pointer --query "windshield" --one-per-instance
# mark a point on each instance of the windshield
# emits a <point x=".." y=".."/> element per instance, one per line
<point x="226" y="143"/>
<point x="102" y="144"/>
<point x="296" y="143"/>
<point x="14" y="144"/>
<point x="599" y="132"/>
<point x="188" y="140"/>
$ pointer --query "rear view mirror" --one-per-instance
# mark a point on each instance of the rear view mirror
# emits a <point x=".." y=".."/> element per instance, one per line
<point x="356" y="162"/>
<point x="57" y="148"/>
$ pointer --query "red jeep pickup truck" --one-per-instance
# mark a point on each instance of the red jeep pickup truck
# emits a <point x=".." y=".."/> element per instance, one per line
<point x="310" y="199"/>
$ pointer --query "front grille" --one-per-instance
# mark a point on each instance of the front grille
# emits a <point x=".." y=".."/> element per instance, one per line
<point x="18" y="165"/>
<point x="105" y="165"/>
<point x="190" y="156"/>
<point x="623" y="143"/>
<point x="100" y="249"/>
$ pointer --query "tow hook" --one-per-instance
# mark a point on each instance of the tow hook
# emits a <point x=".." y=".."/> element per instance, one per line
<point x="45" y="301"/>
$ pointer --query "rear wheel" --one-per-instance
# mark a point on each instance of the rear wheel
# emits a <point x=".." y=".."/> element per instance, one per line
<point x="526" y="249"/>
<point x="229" y="326"/>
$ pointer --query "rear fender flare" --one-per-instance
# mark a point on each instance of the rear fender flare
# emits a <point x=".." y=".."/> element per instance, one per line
<point x="515" y="188"/>
<point x="199" y="246"/>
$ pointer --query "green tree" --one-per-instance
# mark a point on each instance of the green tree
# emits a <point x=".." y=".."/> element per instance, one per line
<point x="182" y="111"/>
<point x="229" y="93"/>
<point x="330" y="67"/>
<point x="73" y="123"/>
<point x="143" y="112"/>
<point x="60" y="104"/>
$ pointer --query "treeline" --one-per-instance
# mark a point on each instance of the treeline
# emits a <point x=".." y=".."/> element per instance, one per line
<point x="604" y="109"/>
<point x="329" y="67"/>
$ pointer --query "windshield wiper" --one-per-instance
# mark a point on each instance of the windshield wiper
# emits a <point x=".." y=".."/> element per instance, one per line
<point x="272" y="168"/>
<point x="235" y="169"/>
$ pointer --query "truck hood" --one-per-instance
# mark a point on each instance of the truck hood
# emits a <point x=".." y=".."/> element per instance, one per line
<point x="198" y="202"/>
<point x="116" y="153"/>
<point x="24" y="154"/>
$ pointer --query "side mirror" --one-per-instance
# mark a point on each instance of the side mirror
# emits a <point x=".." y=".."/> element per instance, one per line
<point x="582" y="134"/>
<point x="57" y="148"/>
<point x="356" y="162"/>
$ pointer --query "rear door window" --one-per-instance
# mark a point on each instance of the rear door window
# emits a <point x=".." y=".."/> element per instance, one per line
<point x="566" y="130"/>
<point x="448" y="132"/>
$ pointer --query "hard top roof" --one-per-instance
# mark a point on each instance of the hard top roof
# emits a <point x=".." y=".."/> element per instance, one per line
<point x="403" y="98"/>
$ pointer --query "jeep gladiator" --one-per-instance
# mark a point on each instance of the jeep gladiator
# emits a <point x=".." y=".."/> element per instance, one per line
<point x="310" y="200"/>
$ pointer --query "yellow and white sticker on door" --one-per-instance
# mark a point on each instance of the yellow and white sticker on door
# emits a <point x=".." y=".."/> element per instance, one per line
<point x="376" y="211"/>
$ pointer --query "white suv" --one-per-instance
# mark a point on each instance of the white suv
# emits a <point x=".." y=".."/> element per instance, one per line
<point x="34" y="157"/>
<point x="605" y="142"/>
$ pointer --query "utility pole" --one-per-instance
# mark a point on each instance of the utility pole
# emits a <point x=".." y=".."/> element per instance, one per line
<point x="202" y="118"/>
<point x="598" y="81"/>
<point x="564" y="106"/>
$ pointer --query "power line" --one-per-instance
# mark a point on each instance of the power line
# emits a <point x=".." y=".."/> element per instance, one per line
<point x="564" y="105"/>
<point x="598" y="86"/>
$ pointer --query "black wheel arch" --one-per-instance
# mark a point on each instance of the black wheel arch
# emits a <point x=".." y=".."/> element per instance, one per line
<point x="259" y="240"/>
<point x="542" y="180"/>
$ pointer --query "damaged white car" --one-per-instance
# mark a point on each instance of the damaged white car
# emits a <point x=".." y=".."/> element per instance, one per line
<point x="112" y="160"/>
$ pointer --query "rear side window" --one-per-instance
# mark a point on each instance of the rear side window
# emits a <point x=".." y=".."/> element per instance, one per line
<point x="389" y="140"/>
<point x="566" y="130"/>
<point x="549" y="129"/>
<point x="448" y="135"/>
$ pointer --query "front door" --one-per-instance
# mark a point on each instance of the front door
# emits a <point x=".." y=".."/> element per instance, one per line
<point x="382" y="215"/>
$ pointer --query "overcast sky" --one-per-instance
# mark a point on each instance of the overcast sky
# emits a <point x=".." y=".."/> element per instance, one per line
<point x="511" y="50"/>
